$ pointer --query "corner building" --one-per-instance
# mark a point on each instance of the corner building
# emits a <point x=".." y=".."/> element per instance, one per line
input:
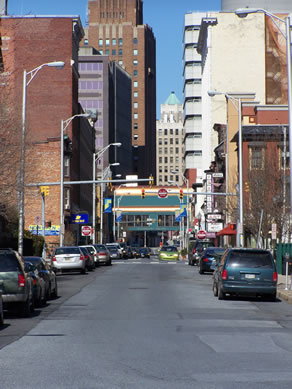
<point x="116" y="30"/>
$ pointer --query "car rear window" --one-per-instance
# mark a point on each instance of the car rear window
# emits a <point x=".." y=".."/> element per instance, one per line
<point x="90" y="249"/>
<point x="67" y="250"/>
<point x="9" y="262"/>
<point x="250" y="259"/>
<point x="169" y="249"/>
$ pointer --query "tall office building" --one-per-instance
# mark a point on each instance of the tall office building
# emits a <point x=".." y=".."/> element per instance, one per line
<point x="116" y="29"/>
<point x="169" y="142"/>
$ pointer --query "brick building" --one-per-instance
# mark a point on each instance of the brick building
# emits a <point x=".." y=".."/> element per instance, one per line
<point x="117" y="30"/>
<point x="52" y="96"/>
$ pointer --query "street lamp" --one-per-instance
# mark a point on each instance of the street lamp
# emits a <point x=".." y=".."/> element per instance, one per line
<point x="31" y="74"/>
<point x="188" y="201"/>
<point x="96" y="157"/>
<point x="105" y="174"/>
<point x="181" y="225"/>
<point x="242" y="13"/>
<point x="239" y="230"/>
<point x="64" y="126"/>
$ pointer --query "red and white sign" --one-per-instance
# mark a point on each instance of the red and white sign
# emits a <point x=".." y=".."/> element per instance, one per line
<point x="201" y="234"/>
<point x="162" y="193"/>
<point x="85" y="230"/>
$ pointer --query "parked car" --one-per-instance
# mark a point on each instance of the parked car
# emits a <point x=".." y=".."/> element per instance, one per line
<point x="136" y="252"/>
<point x="39" y="284"/>
<point x="92" y="250"/>
<point x="209" y="258"/>
<point x="144" y="252"/>
<point x="69" y="258"/>
<point x="130" y="252"/>
<point x="103" y="254"/>
<point x="196" y="248"/>
<point x="245" y="272"/>
<point x="16" y="286"/>
<point x="114" y="253"/>
<point x="117" y="246"/>
<point x="1" y="311"/>
<point x="168" y="253"/>
<point x="46" y="272"/>
<point x="89" y="258"/>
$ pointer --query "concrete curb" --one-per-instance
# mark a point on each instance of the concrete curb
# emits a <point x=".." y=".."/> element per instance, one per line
<point x="285" y="295"/>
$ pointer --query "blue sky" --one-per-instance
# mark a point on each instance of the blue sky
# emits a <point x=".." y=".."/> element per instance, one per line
<point x="166" y="17"/>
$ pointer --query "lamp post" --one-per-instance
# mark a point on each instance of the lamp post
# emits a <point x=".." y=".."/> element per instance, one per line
<point x="96" y="157"/>
<point x="64" y="126"/>
<point x="239" y="229"/>
<point x="31" y="75"/>
<point x="242" y="13"/>
<point x="188" y="201"/>
<point x="105" y="174"/>
<point x="114" y="212"/>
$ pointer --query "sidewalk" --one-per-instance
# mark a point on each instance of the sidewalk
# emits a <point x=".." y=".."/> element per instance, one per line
<point x="283" y="294"/>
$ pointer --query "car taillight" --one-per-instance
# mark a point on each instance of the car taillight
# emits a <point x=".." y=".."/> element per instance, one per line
<point x="86" y="257"/>
<point x="34" y="281"/>
<point x="21" y="280"/>
<point x="275" y="276"/>
<point x="81" y="257"/>
<point x="224" y="274"/>
<point x="205" y="259"/>
<point x="54" y="259"/>
<point x="194" y="251"/>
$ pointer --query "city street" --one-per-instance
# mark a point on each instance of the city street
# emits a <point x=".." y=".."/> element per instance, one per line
<point x="145" y="324"/>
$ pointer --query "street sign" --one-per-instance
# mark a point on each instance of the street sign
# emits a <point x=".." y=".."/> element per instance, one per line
<point x="218" y="175"/>
<point x="162" y="193"/>
<point x="201" y="234"/>
<point x="85" y="230"/>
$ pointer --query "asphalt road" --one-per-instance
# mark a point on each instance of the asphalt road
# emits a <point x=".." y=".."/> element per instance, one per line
<point x="145" y="324"/>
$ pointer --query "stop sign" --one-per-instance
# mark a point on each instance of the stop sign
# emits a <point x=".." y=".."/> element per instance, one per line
<point x="162" y="193"/>
<point x="86" y="230"/>
<point x="201" y="234"/>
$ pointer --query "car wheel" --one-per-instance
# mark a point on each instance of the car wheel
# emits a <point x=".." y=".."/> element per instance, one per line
<point x="192" y="262"/>
<point x="83" y="271"/>
<point x="109" y="263"/>
<point x="27" y="307"/>
<point x="1" y="319"/>
<point x="221" y="294"/>
<point x="215" y="289"/>
<point x="201" y="271"/>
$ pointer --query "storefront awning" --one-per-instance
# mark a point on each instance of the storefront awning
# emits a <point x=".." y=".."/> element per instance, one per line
<point x="229" y="229"/>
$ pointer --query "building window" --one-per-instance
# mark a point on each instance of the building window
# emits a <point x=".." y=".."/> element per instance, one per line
<point x="165" y="141"/>
<point x="176" y="131"/>
<point x="85" y="42"/>
<point x="135" y="84"/>
<point x="256" y="157"/>
<point x="135" y="94"/>
<point x="171" y="131"/>
<point x="176" y="178"/>
<point x="165" y="160"/>
<point x="67" y="198"/>
<point x="171" y="159"/>
<point x="160" y="141"/>
<point x="197" y="153"/>
<point x="160" y="150"/>
<point x="171" y="178"/>
<point x="120" y="42"/>
<point x="165" y="169"/>
<point x="166" y="178"/>
<point x="171" y="141"/>
<point x="114" y="41"/>
<point x="284" y="161"/>
<point x="176" y="141"/>
<point x="135" y="52"/>
<point x="135" y="73"/>
<point x="66" y="166"/>
<point x="100" y="42"/>
<point x="135" y="115"/>
<point x="177" y="150"/>
<point x="135" y="105"/>
<point x="107" y="52"/>
<point x="165" y="131"/>
<point x="197" y="135"/>
<point x="114" y="52"/>
<point x="135" y="62"/>
<point x="101" y="52"/>
<point x="135" y="41"/>
<point x="135" y="126"/>
<point x="121" y="63"/>
<point x="171" y="150"/>
<point x="120" y="51"/>
<point x="160" y="159"/>
<point x="166" y="150"/>
<point x="107" y="42"/>
<point x="159" y="131"/>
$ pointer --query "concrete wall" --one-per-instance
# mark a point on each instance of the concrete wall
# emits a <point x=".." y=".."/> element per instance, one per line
<point x="269" y="5"/>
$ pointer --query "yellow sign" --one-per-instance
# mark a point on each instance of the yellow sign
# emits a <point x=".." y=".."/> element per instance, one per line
<point x="45" y="190"/>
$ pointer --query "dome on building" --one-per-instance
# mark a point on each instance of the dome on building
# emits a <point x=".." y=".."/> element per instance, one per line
<point x="172" y="99"/>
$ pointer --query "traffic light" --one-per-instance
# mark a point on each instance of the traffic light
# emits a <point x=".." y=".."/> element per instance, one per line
<point x="246" y="186"/>
<point x="151" y="181"/>
<point x="233" y="226"/>
<point x="143" y="193"/>
<point x="181" y="194"/>
<point x="45" y="190"/>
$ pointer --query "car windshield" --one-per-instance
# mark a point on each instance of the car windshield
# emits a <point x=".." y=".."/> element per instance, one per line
<point x="32" y="259"/>
<point x="8" y="262"/>
<point x="251" y="259"/>
<point x="214" y="251"/>
<point x="67" y="250"/>
<point x="169" y="249"/>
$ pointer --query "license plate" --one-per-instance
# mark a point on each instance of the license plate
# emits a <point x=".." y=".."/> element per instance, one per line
<point x="250" y="276"/>
<point x="68" y="259"/>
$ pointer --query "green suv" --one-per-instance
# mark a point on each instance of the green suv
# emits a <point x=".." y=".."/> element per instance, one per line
<point x="16" y="285"/>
